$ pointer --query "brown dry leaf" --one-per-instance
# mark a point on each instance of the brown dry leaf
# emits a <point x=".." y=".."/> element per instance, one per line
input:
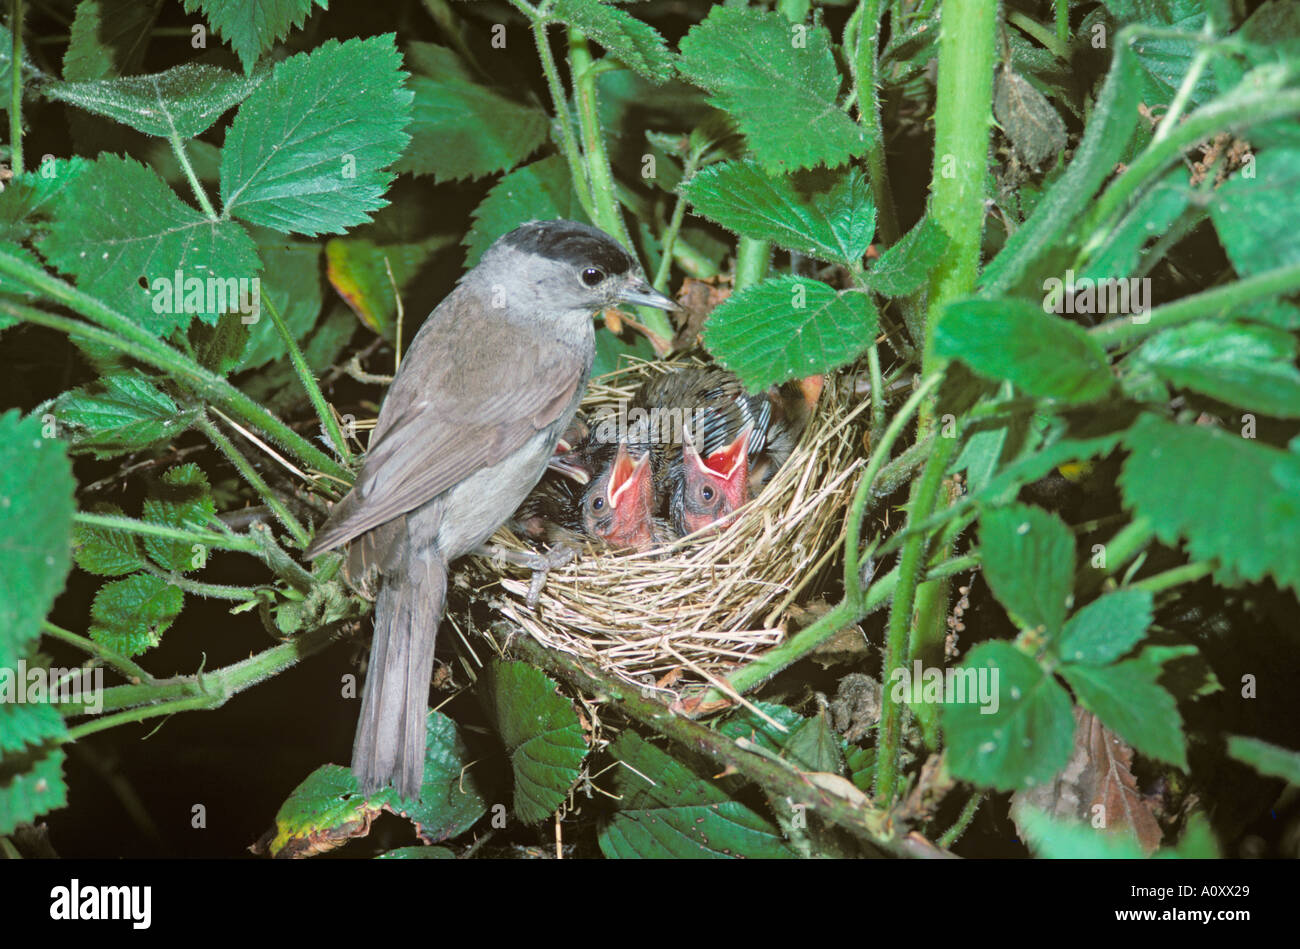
<point x="840" y="787"/>
<point x="934" y="784"/>
<point x="697" y="299"/>
<point x="1099" y="774"/>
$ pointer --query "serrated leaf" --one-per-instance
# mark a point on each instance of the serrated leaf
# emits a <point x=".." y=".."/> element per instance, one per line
<point x="129" y="616"/>
<point x="182" y="500"/>
<point x="1028" y="119"/>
<point x="1106" y="628"/>
<point x="36" y="507"/>
<point x="778" y="81"/>
<point x="31" y="785"/>
<point x="1231" y="498"/>
<point x="306" y="152"/>
<point x="1028" y="559"/>
<point x="827" y="215"/>
<point x="108" y="38"/>
<point x="1011" y="339"/>
<point x="542" y="735"/>
<point x="105" y="552"/>
<point x="1254" y="216"/>
<point x="128" y="252"/>
<point x="252" y="27"/>
<point x="125" y="412"/>
<point x="789" y="328"/>
<point x="328" y="809"/>
<point x="1248" y="366"/>
<point x="1029" y="737"/>
<point x="667" y="810"/>
<point x="542" y="191"/>
<point x="29" y="199"/>
<point x="418" y="853"/>
<point x="461" y="129"/>
<point x="635" y="44"/>
<point x="1127" y="697"/>
<point x="904" y="268"/>
<point x="23" y="722"/>
<point x="185" y="100"/>
<point x="1270" y="760"/>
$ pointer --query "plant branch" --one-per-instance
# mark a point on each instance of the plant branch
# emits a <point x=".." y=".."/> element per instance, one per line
<point x="119" y="662"/>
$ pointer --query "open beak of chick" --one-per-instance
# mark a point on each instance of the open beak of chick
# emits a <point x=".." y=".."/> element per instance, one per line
<point x="714" y="487"/>
<point x="624" y="517"/>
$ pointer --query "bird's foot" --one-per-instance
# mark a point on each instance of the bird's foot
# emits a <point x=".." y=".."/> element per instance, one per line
<point x="541" y="564"/>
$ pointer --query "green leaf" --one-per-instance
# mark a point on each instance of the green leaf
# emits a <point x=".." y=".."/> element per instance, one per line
<point x="1014" y="340"/>
<point x="29" y="199"/>
<point x="105" y="552"/>
<point x="292" y="284"/>
<point x="461" y="129"/>
<point x="182" y="500"/>
<point x="1034" y="128"/>
<point x="184" y="101"/>
<point x="418" y="853"/>
<point x="452" y="798"/>
<point x="123" y="412"/>
<point x="635" y="44"/>
<point x="1029" y="737"/>
<point x="252" y="27"/>
<point x="129" y="616"/>
<point x="1231" y="498"/>
<point x="827" y="215"/>
<point x="31" y="785"/>
<point x="23" y="722"/>
<point x="321" y="813"/>
<point x="1155" y="212"/>
<point x="542" y="191"/>
<point x="1272" y="761"/>
<point x="612" y="352"/>
<point x="124" y="235"/>
<point x="36" y="507"/>
<point x="904" y="268"/>
<point x="789" y="328"/>
<point x="1106" y="628"/>
<point x="542" y="735"/>
<point x="1128" y="699"/>
<point x="1064" y="839"/>
<point x="108" y="38"/>
<point x="1254" y="216"/>
<point x="1248" y="366"/>
<point x="1028" y="559"/>
<point x="666" y="810"/>
<point x="358" y="271"/>
<point x="778" y="81"/>
<point x="305" y="154"/>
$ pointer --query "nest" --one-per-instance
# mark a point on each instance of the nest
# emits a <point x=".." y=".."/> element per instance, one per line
<point x="688" y="613"/>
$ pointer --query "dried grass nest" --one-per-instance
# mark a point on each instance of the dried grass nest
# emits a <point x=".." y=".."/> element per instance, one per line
<point x="707" y="603"/>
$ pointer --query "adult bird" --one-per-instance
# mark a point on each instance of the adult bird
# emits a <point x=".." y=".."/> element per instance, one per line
<point x="469" y="424"/>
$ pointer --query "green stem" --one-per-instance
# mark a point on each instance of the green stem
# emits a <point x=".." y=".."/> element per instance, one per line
<point x="1178" y="576"/>
<point x="864" y="85"/>
<point x="953" y="833"/>
<point x="560" y="102"/>
<point x="1131" y="539"/>
<point x="118" y="522"/>
<point x="308" y="381"/>
<point x="255" y="481"/>
<point x="204" y="690"/>
<point x="119" y="662"/>
<point x="1207" y="305"/>
<point x="877" y="390"/>
<point x="178" y="148"/>
<point x="1056" y="46"/>
<point x="897" y="639"/>
<point x="16" y="87"/>
<point x="1063" y="23"/>
<point x="119" y="333"/>
<point x="217" y="591"/>
<point x="752" y="258"/>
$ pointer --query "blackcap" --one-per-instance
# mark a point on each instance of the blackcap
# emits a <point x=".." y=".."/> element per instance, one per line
<point x="471" y="420"/>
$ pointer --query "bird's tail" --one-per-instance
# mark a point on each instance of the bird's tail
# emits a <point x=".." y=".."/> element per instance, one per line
<point x="394" y="703"/>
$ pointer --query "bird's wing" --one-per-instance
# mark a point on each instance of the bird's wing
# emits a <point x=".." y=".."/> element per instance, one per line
<point x="465" y="401"/>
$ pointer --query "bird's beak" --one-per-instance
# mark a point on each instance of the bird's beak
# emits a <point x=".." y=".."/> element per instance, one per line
<point x="639" y="293"/>
<point x="627" y="476"/>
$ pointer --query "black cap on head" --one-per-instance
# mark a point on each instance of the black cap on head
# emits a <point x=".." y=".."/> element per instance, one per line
<point x="573" y="243"/>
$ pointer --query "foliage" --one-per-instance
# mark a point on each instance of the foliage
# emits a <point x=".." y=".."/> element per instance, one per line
<point x="1099" y="339"/>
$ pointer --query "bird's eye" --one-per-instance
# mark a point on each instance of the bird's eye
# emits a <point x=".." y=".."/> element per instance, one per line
<point x="592" y="276"/>
<point x="707" y="492"/>
<point x="597" y="504"/>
